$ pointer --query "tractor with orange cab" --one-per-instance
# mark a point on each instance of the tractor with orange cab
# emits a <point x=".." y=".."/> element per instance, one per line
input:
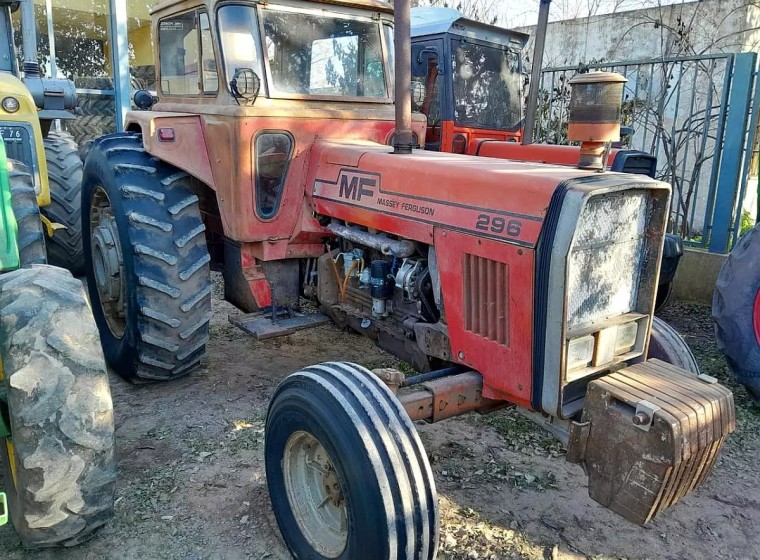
<point x="282" y="151"/>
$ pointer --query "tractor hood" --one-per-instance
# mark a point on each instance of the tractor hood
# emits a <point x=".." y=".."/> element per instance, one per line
<point x="409" y="195"/>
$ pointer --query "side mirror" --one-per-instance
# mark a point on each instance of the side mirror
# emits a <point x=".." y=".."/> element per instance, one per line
<point x="421" y="58"/>
<point x="143" y="99"/>
<point x="626" y="131"/>
<point x="245" y="84"/>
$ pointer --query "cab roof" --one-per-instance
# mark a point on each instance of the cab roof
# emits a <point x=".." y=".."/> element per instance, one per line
<point x="435" y="21"/>
<point x="374" y="5"/>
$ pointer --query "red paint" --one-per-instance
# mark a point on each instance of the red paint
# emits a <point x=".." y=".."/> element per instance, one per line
<point x="756" y="316"/>
<point x="538" y="153"/>
<point x="448" y="130"/>
<point x="506" y="368"/>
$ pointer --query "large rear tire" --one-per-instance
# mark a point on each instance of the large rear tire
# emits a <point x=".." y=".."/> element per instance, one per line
<point x="736" y="311"/>
<point x="346" y="470"/>
<point x="65" y="179"/>
<point x="146" y="261"/>
<point x="58" y="463"/>
<point x="31" y="239"/>
<point x="667" y="345"/>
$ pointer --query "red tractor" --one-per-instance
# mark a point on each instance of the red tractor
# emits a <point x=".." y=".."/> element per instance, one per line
<point x="272" y="154"/>
<point x="467" y="79"/>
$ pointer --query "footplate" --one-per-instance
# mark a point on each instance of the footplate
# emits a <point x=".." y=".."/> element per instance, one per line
<point x="262" y="326"/>
<point x="649" y="435"/>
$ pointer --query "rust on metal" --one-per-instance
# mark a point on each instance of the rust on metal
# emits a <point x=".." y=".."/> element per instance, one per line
<point x="650" y="434"/>
<point x="446" y="397"/>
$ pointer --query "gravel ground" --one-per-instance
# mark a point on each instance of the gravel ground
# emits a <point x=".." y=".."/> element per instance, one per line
<point x="191" y="483"/>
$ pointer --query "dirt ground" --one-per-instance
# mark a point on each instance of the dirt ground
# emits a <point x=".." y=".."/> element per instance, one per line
<point x="191" y="483"/>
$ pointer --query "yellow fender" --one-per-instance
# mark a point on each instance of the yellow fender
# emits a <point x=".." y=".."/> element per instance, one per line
<point x="11" y="86"/>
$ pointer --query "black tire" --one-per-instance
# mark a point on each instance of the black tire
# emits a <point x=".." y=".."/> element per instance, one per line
<point x="667" y="345"/>
<point x="65" y="179"/>
<point x="664" y="293"/>
<point x="31" y="239"/>
<point x="735" y="302"/>
<point x="384" y="474"/>
<point x="165" y="275"/>
<point x="60" y="409"/>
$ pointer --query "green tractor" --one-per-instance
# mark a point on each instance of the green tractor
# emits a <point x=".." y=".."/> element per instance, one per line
<point x="56" y="414"/>
<point x="29" y="107"/>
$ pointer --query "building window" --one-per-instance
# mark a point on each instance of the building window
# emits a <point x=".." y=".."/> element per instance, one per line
<point x="186" y="55"/>
<point x="272" y="153"/>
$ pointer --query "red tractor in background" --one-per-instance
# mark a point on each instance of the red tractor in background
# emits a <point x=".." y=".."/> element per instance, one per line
<point x="467" y="79"/>
<point x="276" y="153"/>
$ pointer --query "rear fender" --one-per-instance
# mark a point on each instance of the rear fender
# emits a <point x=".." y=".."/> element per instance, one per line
<point x="187" y="150"/>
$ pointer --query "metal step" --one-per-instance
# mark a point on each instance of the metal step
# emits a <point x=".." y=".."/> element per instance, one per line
<point x="261" y="326"/>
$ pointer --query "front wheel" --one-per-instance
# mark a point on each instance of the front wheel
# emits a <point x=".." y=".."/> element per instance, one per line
<point x="346" y="471"/>
<point x="667" y="345"/>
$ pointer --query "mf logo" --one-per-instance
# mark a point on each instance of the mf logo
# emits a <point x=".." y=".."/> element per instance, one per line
<point x="354" y="185"/>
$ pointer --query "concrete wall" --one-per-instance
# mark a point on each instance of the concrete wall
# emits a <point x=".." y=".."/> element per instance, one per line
<point x="709" y="26"/>
<point x="697" y="275"/>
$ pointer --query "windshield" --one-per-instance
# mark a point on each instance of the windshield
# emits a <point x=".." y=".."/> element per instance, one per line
<point x="487" y="86"/>
<point x="324" y="55"/>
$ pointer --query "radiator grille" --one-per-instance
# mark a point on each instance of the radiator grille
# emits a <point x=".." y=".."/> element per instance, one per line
<point x="486" y="298"/>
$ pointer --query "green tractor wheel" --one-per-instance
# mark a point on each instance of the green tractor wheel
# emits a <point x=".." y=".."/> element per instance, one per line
<point x="65" y="179"/>
<point x="57" y="415"/>
<point x="31" y="239"/>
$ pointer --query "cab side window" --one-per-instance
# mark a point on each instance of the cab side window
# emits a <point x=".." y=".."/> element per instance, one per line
<point x="186" y="54"/>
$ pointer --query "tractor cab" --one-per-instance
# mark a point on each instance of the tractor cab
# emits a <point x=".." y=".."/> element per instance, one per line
<point x="467" y="79"/>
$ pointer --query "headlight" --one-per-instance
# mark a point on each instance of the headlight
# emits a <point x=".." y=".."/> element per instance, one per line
<point x="11" y="104"/>
<point x="606" y="257"/>
<point x="580" y="352"/>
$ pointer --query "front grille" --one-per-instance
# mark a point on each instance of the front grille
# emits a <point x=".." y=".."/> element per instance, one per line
<point x="486" y="298"/>
<point x="607" y="257"/>
<point x="18" y="142"/>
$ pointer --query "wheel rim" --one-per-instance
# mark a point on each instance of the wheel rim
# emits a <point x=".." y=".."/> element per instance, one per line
<point x="756" y="316"/>
<point x="107" y="262"/>
<point x="315" y="494"/>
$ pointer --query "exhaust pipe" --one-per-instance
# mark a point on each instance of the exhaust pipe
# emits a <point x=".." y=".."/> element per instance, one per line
<point x="403" y="139"/>
<point x="29" y="39"/>
<point x="535" y="75"/>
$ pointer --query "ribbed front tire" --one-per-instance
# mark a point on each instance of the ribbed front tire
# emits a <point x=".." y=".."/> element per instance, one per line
<point x="368" y="452"/>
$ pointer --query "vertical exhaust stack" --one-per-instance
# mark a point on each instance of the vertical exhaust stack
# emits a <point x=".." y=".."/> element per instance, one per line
<point x="594" y="121"/>
<point x="29" y="39"/>
<point x="535" y="74"/>
<point x="403" y="139"/>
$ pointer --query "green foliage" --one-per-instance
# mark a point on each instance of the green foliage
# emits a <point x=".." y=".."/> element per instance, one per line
<point x="746" y="224"/>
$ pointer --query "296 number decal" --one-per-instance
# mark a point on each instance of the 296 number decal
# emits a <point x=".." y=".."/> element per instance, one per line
<point x="499" y="225"/>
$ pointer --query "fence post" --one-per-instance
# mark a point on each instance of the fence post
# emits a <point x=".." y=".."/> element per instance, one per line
<point x="728" y="187"/>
